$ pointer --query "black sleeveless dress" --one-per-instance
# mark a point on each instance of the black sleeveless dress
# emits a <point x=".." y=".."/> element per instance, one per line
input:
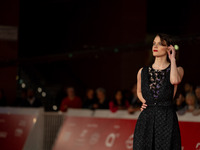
<point x="157" y="126"/>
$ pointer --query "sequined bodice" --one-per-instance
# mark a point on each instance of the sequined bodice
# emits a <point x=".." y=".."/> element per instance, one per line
<point x="156" y="78"/>
<point x="156" y="86"/>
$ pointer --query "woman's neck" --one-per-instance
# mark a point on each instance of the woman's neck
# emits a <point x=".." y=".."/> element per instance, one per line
<point x="161" y="61"/>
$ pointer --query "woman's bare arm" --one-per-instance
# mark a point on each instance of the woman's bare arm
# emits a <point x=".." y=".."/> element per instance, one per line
<point x="139" y="91"/>
<point x="176" y="73"/>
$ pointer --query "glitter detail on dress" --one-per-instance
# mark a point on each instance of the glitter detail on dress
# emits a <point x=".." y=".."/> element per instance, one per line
<point x="156" y="78"/>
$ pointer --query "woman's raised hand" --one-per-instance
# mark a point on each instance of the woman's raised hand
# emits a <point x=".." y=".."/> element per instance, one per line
<point x="171" y="49"/>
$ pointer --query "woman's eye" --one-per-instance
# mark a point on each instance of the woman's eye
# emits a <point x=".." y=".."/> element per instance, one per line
<point x="158" y="43"/>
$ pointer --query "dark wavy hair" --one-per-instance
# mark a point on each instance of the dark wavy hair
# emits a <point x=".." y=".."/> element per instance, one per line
<point x="166" y="40"/>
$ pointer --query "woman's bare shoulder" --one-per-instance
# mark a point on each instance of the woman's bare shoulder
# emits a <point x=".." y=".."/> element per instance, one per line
<point x="140" y="70"/>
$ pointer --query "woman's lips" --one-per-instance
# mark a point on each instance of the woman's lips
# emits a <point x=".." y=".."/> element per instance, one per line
<point x="155" y="50"/>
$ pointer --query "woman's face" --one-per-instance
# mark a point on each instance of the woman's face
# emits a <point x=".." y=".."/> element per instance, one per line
<point x="159" y="48"/>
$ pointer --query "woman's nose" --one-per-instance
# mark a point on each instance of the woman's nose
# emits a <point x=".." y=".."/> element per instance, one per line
<point x="155" y="45"/>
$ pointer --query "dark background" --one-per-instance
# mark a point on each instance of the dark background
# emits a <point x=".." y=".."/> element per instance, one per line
<point x="87" y="43"/>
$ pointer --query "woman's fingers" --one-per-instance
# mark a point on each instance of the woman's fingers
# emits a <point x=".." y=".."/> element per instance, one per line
<point x="168" y="52"/>
<point x="171" y="48"/>
<point x="143" y="107"/>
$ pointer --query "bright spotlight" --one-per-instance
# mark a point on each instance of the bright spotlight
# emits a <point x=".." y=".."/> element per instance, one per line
<point x="176" y="47"/>
<point x="55" y="107"/>
<point x="34" y="120"/>
<point x="39" y="89"/>
<point x="44" y="94"/>
<point x="23" y="85"/>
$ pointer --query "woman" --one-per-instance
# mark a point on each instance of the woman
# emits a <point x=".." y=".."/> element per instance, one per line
<point x="157" y="126"/>
<point x="118" y="103"/>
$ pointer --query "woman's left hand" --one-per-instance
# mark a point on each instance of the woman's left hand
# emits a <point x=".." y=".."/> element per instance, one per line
<point x="171" y="49"/>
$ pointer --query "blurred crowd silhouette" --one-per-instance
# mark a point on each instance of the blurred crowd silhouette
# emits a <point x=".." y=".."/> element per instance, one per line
<point x="97" y="99"/>
<point x="187" y="99"/>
